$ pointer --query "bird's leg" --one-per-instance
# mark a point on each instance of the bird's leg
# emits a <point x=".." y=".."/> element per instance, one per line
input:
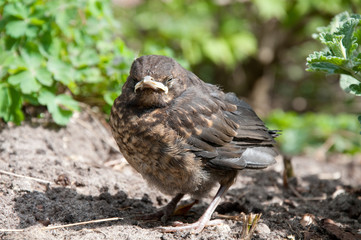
<point x="170" y="207"/>
<point x="165" y="212"/>
<point x="204" y="220"/>
<point x="183" y="209"/>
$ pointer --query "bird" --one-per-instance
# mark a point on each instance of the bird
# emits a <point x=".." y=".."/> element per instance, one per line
<point x="186" y="136"/>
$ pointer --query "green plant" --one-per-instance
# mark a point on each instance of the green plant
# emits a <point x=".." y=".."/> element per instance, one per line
<point x="342" y="54"/>
<point x="305" y="132"/>
<point x="56" y="53"/>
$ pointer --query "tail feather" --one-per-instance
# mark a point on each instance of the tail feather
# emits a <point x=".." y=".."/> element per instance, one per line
<point x="252" y="158"/>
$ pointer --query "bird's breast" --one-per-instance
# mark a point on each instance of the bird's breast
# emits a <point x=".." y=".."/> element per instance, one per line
<point x="156" y="151"/>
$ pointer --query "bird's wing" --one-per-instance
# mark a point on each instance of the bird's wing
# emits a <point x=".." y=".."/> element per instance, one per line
<point x="221" y="130"/>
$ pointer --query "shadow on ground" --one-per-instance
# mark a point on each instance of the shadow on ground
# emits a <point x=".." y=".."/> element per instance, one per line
<point x="61" y="205"/>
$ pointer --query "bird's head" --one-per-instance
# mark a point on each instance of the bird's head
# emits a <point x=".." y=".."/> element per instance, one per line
<point x="154" y="81"/>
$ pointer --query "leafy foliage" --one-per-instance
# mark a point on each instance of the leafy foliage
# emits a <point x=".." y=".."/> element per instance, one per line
<point x="192" y="29"/>
<point x="223" y="32"/>
<point x="309" y="131"/>
<point x="55" y="53"/>
<point x="342" y="54"/>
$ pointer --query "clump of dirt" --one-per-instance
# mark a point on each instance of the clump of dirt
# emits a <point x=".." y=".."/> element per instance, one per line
<point x="52" y="176"/>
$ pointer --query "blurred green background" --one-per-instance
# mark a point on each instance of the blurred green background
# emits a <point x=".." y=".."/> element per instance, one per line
<point x="255" y="48"/>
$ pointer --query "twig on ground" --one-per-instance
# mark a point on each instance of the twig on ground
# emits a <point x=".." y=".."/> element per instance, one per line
<point x="296" y="192"/>
<point x="83" y="223"/>
<point x="67" y="225"/>
<point x="22" y="176"/>
<point x="298" y="195"/>
<point x="11" y="230"/>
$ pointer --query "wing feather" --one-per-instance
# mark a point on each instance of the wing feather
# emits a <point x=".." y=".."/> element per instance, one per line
<point x="221" y="129"/>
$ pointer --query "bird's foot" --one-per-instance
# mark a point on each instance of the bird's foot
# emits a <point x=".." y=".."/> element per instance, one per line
<point x="203" y="221"/>
<point x="196" y="227"/>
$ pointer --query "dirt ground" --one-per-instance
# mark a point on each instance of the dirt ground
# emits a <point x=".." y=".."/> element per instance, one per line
<point x="51" y="177"/>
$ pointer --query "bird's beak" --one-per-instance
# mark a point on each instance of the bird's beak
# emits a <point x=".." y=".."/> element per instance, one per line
<point x="148" y="82"/>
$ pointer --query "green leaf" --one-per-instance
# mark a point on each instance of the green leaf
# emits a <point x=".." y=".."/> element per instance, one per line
<point x="44" y="76"/>
<point x="325" y="62"/>
<point x="350" y="85"/>
<point x="5" y="102"/>
<point x="343" y="26"/>
<point x="62" y="72"/>
<point x="243" y="44"/>
<point x="17" y="78"/>
<point x="91" y="75"/>
<point x="110" y="96"/>
<point x="357" y="68"/>
<point x="33" y="73"/>
<point x="32" y="31"/>
<point x="17" y="10"/>
<point x="356" y="89"/>
<point x="37" y="21"/>
<point x="26" y="80"/>
<point x="6" y="59"/>
<point x="46" y="97"/>
<point x="10" y="104"/>
<point x="347" y="30"/>
<point x="32" y="60"/>
<point x="16" y="28"/>
<point x="61" y="116"/>
<point x="335" y="44"/>
<point x="88" y="57"/>
<point x="270" y="9"/>
<point x="340" y="57"/>
<point x="218" y="50"/>
<point x="67" y="102"/>
<point x="61" y="107"/>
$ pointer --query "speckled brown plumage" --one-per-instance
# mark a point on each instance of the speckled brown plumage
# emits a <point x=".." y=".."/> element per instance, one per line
<point x="183" y="135"/>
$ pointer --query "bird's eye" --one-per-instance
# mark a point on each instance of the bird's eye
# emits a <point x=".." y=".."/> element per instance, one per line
<point x="169" y="79"/>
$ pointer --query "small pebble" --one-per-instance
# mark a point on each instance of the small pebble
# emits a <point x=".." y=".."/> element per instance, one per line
<point x="262" y="229"/>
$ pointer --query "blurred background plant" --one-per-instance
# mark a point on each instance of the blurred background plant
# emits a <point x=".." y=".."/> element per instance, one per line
<point x="56" y="53"/>
<point x="304" y="133"/>
<point x="74" y="51"/>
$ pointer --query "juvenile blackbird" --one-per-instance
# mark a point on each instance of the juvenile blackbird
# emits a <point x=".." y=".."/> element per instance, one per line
<point x="184" y="136"/>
